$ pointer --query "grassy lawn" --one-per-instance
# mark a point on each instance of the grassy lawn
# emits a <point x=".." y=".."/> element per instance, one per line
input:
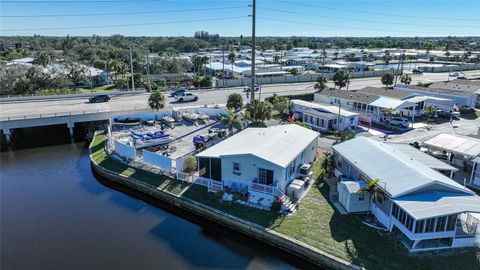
<point x="159" y="181"/>
<point x="315" y="223"/>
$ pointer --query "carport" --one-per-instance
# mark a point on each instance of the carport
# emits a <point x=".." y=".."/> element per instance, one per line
<point x="463" y="151"/>
<point x="383" y="103"/>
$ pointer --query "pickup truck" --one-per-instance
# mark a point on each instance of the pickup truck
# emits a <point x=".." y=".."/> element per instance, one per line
<point x="186" y="96"/>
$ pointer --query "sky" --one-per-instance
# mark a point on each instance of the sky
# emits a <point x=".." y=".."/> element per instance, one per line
<point x="318" y="18"/>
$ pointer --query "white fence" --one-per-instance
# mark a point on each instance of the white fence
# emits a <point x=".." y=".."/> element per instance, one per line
<point x="124" y="150"/>
<point x="160" y="161"/>
<point x="299" y="78"/>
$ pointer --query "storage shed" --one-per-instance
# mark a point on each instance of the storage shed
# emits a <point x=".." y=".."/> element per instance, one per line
<point x="350" y="196"/>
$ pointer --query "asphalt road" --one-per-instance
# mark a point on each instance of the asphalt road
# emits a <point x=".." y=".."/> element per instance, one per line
<point x="35" y="108"/>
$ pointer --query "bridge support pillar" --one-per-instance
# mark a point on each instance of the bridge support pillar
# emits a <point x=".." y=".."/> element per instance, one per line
<point x="8" y="135"/>
<point x="70" y="128"/>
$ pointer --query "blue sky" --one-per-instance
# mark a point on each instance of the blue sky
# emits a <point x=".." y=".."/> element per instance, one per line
<point x="230" y="18"/>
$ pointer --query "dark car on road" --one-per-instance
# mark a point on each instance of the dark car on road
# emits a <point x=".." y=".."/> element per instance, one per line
<point x="417" y="71"/>
<point x="178" y="92"/>
<point x="99" y="98"/>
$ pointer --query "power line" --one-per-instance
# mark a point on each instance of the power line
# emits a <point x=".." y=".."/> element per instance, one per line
<point x="120" y="25"/>
<point x="362" y="20"/>
<point x="120" y="13"/>
<point x="346" y="27"/>
<point x="377" y="13"/>
<point x="77" y="1"/>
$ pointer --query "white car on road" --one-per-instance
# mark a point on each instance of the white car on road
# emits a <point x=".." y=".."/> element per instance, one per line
<point x="186" y="96"/>
<point x="398" y="121"/>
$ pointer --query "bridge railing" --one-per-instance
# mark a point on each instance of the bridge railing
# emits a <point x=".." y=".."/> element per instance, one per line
<point x="69" y="113"/>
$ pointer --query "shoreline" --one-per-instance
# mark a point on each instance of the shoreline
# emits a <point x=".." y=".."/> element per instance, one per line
<point x="267" y="236"/>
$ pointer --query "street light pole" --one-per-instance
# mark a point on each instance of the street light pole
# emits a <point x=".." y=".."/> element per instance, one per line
<point x="252" y="81"/>
<point x="131" y="68"/>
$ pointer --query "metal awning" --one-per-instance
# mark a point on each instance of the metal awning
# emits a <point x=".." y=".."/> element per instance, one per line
<point x="457" y="144"/>
<point x="391" y="103"/>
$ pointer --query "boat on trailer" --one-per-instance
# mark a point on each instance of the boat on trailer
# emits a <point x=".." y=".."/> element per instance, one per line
<point x="150" y="139"/>
<point x="190" y="116"/>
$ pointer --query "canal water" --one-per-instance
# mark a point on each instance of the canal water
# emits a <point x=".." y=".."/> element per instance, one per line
<point x="55" y="214"/>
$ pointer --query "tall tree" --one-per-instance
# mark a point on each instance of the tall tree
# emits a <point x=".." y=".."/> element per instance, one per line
<point x="231" y="58"/>
<point x="387" y="79"/>
<point x="231" y="121"/>
<point x="77" y="73"/>
<point x="235" y="101"/>
<point x="321" y="83"/>
<point x="373" y="191"/>
<point x="156" y="101"/>
<point x="340" y="78"/>
<point x="259" y="111"/>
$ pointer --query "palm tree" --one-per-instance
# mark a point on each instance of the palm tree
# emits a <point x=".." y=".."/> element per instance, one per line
<point x="373" y="191"/>
<point x="328" y="164"/>
<point x="389" y="112"/>
<point x="430" y="111"/>
<point x="347" y="135"/>
<point x="245" y="116"/>
<point x="386" y="58"/>
<point x="156" y="101"/>
<point x="321" y="83"/>
<point x="406" y="79"/>
<point x="340" y="79"/>
<point x="387" y="79"/>
<point x="231" y="121"/>
<point x="232" y="57"/>
<point x="259" y="111"/>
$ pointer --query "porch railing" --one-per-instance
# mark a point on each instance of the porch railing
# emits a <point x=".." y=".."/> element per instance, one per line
<point x="273" y="190"/>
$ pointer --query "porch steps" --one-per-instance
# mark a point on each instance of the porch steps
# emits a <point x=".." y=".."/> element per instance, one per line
<point x="288" y="206"/>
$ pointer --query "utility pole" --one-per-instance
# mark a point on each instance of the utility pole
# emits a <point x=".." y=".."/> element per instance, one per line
<point x="338" y="120"/>
<point x="131" y="68"/>
<point x="223" y="65"/>
<point x="399" y="67"/>
<point x="252" y="82"/>
<point x="148" y="72"/>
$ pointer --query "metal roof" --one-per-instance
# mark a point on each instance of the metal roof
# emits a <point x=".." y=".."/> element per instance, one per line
<point x="436" y="203"/>
<point x="381" y="91"/>
<point x="422" y="157"/>
<point x="459" y="144"/>
<point x="399" y="173"/>
<point x="391" y="103"/>
<point x="323" y="107"/>
<point x="353" y="186"/>
<point x="278" y="144"/>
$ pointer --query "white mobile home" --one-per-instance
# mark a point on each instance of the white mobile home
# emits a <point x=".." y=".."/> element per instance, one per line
<point x="259" y="161"/>
<point x="423" y="207"/>
<point x="324" y="116"/>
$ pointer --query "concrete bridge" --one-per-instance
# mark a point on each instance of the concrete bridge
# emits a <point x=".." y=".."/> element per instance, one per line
<point x="8" y="124"/>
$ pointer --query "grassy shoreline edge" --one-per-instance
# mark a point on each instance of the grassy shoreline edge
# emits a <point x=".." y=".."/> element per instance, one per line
<point x="271" y="237"/>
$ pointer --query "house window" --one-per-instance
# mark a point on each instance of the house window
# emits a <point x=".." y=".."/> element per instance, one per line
<point x="265" y="176"/>
<point x="322" y="122"/>
<point x="430" y="225"/>
<point x="419" y="226"/>
<point x="441" y="221"/>
<point x="317" y="122"/>
<point x="361" y="197"/>
<point x="451" y="222"/>
<point x="236" y="166"/>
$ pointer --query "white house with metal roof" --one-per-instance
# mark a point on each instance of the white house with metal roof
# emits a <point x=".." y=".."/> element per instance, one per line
<point x="324" y="116"/>
<point x="426" y="209"/>
<point x="260" y="162"/>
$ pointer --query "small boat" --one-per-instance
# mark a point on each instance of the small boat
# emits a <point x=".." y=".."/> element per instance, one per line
<point x="190" y="116"/>
<point x="128" y="121"/>
<point x="203" y="117"/>
<point x="168" y="119"/>
<point x="150" y="139"/>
